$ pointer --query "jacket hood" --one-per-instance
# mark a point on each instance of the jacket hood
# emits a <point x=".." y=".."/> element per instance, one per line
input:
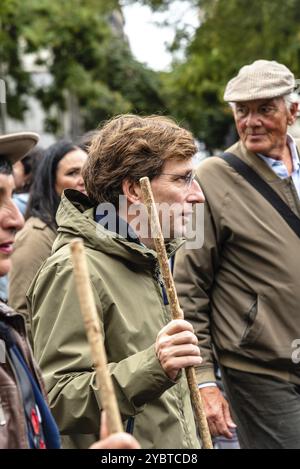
<point x="75" y="218"/>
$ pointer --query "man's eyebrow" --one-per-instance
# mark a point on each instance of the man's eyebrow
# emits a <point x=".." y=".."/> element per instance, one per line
<point x="184" y="173"/>
<point x="269" y="101"/>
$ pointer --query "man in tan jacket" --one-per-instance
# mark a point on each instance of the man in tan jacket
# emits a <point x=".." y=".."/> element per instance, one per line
<point x="241" y="290"/>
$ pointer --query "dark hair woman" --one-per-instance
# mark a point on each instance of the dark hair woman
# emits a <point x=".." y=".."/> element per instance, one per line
<point x="60" y="169"/>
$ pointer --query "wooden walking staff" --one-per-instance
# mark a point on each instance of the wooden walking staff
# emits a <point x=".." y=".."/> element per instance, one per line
<point x="175" y="307"/>
<point x="91" y="321"/>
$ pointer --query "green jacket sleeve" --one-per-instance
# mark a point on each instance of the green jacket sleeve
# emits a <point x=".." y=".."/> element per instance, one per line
<point x="63" y="353"/>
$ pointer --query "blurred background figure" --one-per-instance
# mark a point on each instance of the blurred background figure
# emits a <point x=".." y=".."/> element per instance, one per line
<point x="60" y="169"/>
<point x="294" y="129"/>
<point x="85" y="140"/>
<point x="24" y="174"/>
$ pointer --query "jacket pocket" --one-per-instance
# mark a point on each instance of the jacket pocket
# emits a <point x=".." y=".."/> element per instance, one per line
<point x="250" y="328"/>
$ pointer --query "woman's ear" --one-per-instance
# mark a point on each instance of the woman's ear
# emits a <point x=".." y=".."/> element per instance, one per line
<point x="132" y="191"/>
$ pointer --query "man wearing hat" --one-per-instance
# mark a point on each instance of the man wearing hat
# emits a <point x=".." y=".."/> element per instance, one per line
<point x="241" y="290"/>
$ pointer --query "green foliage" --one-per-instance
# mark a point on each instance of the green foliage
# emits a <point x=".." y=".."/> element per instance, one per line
<point x="88" y="61"/>
<point x="156" y="5"/>
<point x="232" y="33"/>
<point x="74" y="41"/>
<point x="17" y="80"/>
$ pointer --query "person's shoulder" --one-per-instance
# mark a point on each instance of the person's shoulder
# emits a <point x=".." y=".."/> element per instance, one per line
<point x="32" y="224"/>
<point x="216" y="165"/>
<point x="34" y="230"/>
<point x="61" y="260"/>
<point x="38" y="224"/>
<point x="212" y="163"/>
<point x="53" y="273"/>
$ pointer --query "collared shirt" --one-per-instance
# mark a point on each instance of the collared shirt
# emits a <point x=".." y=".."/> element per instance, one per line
<point x="279" y="167"/>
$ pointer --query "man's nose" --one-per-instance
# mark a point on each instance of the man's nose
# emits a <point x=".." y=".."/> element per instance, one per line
<point x="195" y="194"/>
<point x="253" y="119"/>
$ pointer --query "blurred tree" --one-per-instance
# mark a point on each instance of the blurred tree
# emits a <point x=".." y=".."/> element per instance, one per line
<point x="154" y="4"/>
<point x="94" y="67"/>
<point x="11" y="70"/>
<point x="232" y="33"/>
<point x="90" y="64"/>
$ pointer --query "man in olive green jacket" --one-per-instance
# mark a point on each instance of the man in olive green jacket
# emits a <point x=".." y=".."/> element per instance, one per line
<point x="241" y="290"/>
<point x="145" y="350"/>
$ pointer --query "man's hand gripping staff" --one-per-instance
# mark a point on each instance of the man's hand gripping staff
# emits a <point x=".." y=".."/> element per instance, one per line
<point x="176" y="345"/>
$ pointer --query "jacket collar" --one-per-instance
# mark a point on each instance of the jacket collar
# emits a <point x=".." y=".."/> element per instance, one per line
<point x="255" y="162"/>
<point x="75" y="218"/>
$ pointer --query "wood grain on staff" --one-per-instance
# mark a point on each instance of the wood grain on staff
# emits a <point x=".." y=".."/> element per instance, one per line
<point x="176" y="311"/>
<point x="92" y="325"/>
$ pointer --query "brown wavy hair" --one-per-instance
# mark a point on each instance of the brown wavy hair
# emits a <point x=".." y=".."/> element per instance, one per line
<point x="130" y="147"/>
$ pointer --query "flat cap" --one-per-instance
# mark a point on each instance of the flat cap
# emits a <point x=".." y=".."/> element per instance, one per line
<point x="15" y="146"/>
<point x="263" y="79"/>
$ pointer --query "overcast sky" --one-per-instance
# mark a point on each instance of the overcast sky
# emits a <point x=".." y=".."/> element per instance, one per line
<point x="147" y="39"/>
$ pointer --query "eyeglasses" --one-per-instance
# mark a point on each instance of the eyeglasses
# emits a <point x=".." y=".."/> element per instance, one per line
<point x="185" y="179"/>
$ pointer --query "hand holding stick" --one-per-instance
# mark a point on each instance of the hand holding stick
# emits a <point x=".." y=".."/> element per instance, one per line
<point x="96" y="341"/>
<point x="174" y="305"/>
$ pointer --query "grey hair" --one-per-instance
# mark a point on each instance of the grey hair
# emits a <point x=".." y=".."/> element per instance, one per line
<point x="290" y="99"/>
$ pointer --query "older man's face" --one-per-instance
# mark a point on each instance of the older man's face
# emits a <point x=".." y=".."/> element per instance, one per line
<point x="262" y="124"/>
